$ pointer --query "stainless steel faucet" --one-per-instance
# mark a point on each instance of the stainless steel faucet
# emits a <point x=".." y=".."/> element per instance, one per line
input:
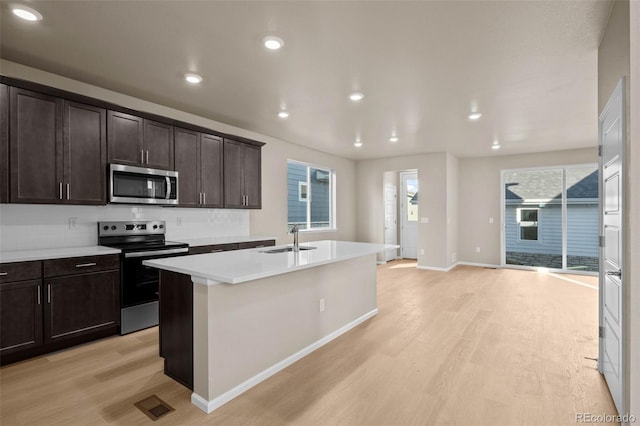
<point x="294" y="231"/>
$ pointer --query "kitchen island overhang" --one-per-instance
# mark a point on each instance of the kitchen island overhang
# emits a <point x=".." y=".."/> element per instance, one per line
<point x="255" y="313"/>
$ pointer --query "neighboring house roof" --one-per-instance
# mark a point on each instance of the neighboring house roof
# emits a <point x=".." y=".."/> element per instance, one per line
<point x="541" y="185"/>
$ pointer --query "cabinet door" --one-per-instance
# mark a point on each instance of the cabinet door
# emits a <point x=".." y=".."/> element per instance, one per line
<point x="85" y="154"/>
<point x="80" y="304"/>
<point x="4" y="143"/>
<point x="20" y="316"/>
<point x="233" y="174"/>
<point x="211" y="171"/>
<point x="252" y="177"/>
<point x="35" y="147"/>
<point x="124" y="139"/>
<point x="158" y="145"/>
<point x="186" y="158"/>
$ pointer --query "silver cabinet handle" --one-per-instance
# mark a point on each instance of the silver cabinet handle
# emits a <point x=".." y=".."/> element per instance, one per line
<point x="142" y="156"/>
<point x="68" y="190"/>
<point x="60" y="191"/>
<point x="147" y="156"/>
<point x="204" y="198"/>
<point x="3" y="274"/>
<point x="617" y="273"/>
<point x="86" y="265"/>
<point x="247" y="201"/>
<point x="49" y="293"/>
<point x="38" y="294"/>
<point x="216" y="251"/>
<point x="200" y="198"/>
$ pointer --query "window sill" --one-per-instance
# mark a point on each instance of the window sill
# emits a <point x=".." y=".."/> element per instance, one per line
<point x="319" y="230"/>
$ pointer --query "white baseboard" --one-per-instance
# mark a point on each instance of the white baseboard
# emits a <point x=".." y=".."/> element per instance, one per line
<point x="209" y="406"/>
<point x="381" y="262"/>
<point x="433" y="268"/>
<point x="482" y="265"/>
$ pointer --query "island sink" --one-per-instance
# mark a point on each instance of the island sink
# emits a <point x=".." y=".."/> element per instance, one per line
<point x="286" y="249"/>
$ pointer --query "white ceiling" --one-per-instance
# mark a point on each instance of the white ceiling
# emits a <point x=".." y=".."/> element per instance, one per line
<point x="530" y="67"/>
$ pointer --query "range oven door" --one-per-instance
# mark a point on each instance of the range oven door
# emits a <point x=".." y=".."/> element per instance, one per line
<point x="139" y="289"/>
<point x="139" y="185"/>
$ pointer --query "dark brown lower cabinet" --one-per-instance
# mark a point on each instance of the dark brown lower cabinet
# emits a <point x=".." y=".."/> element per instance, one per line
<point x="20" y="316"/>
<point x="81" y="304"/>
<point x="176" y="326"/>
<point x="55" y="304"/>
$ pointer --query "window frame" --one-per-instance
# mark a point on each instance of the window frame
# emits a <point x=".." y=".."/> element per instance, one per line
<point x="529" y="223"/>
<point x="302" y="199"/>
<point x="309" y="200"/>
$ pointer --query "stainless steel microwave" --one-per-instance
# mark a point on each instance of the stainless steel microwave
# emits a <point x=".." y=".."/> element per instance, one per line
<point x="139" y="185"/>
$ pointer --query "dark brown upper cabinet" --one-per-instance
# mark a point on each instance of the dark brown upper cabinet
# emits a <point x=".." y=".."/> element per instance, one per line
<point x="242" y="175"/>
<point x="35" y="147"/>
<point x="4" y="143"/>
<point x="57" y="150"/>
<point x="85" y="154"/>
<point x="198" y="161"/>
<point x="136" y="141"/>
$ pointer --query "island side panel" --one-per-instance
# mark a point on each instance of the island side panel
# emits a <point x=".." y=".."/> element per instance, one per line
<point x="255" y="325"/>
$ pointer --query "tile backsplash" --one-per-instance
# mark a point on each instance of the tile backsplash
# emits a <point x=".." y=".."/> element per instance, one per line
<point x="35" y="226"/>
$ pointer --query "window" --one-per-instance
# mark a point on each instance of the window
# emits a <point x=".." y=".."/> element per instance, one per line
<point x="528" y="220"/>
<point x="310" y="196"/>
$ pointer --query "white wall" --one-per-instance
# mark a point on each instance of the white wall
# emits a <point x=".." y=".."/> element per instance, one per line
<point x="392" y="178"/>
<point x="479" y="197"/>
<point x="452" y="209"/>
<point x="432" y="181"/>
<point x="271" y="220"/>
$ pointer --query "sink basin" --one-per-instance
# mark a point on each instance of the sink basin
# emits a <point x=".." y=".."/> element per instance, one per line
<point x="286" y="249"/>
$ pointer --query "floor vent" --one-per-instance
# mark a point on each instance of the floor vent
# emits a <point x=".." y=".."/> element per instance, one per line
<point x="154" y="407"/>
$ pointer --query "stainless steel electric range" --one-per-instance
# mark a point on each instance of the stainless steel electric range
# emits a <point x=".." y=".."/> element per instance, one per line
<point x="138" y="241"/>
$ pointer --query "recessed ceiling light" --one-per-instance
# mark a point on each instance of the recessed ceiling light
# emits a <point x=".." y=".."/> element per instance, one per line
<point x="193" y="78"/>
<point x="356" y="96"/>
<point x="273" y="43"/>
<point x="283" y="114"/>
<point x="393" y="139"/>
<point x="495" y="146"/>
<point x="475" y="116"/>
<point x="26" y="13"/>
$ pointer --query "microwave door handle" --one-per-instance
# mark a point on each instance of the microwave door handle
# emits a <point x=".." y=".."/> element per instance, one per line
<point x="168" y="187"/>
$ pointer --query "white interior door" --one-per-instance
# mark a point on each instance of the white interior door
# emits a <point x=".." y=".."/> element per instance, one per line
<point x="409" y="210"/>
<point x="612" y="137"/>
<point x="390" y="220"/>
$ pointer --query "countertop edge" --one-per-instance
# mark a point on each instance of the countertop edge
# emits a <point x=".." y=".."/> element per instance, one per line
<point x="15" y="256"/>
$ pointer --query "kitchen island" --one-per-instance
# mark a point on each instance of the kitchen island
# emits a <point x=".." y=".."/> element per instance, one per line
<point x="254" y="312"/>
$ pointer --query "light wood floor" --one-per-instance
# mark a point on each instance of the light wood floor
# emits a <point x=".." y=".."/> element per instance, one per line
<point x="473" y="346"/>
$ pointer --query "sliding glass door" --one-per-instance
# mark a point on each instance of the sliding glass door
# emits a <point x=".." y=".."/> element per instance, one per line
<point x="551" y="218"/>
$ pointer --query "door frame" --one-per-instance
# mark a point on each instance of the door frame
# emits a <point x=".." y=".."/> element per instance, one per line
<point x="503" y="223"/>
<point x="395" y="190"/>
<point x="618" y="91"/>
<point x="403" y="212"/>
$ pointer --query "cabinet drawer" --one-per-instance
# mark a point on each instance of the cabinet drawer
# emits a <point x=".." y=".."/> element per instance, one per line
<point x="20" y="271"/>
<point x="213" y="248"/>
<point x="80" y="265"/>
<point x="257" y="244"/>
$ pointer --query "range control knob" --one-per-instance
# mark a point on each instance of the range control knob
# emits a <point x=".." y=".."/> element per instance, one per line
<point x="105" y="227"/>
<point x="155" y="226"/>
<point x="161" y="226"/>
<point x="113" y="227"/>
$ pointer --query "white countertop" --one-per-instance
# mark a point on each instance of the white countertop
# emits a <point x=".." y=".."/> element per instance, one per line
<point x="54" y="253"/>
<point x="211" y="241"/>
<point x="246" y="265"/>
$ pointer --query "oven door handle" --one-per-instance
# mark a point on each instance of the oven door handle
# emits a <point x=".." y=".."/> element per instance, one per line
<point x="156" y="252"/>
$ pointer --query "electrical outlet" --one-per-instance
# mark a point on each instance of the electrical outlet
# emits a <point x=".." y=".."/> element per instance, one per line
<point x="179" y="221"/>
<point x="477" y="249"/>
<point x="421" y="252"/>
<point x="73" y="222"/>
<point x="490" y="220"/>
<point x="321" y="305"/>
